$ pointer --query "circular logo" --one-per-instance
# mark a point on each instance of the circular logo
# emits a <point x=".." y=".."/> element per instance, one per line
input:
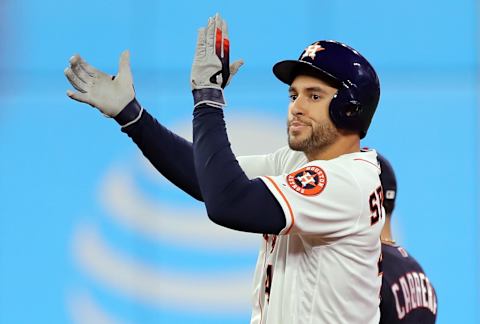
<point x="308" y="181"/>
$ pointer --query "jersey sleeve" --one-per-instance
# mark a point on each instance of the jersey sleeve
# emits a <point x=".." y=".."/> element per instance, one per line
<point x="320" y="198"/>
<point x="257" y="165"/>
<point x="276" y="163"/>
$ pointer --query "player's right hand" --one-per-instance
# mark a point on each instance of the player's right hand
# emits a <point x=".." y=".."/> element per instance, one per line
<point x="107" y="93"/>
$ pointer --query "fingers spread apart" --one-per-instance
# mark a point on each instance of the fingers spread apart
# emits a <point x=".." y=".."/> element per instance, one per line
<point x="75" y="81"/>
<point x="82" y="70"/>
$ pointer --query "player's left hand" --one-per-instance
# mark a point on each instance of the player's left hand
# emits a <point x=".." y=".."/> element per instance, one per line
<point x="211" y="69"/>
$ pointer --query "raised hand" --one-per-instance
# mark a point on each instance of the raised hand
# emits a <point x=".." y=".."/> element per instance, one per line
<point x="106" y="93"/>
<point x="211" y="69"/>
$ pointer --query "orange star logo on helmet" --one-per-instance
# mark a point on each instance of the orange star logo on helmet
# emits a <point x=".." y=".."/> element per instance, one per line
<point x="311" y="51"/>
<point x="308" y="181"/>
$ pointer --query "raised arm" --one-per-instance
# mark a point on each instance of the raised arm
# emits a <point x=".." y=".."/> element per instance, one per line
<point x="232" y="200"/>
<point x="169" y="153"/>
<point x="114" y="97"/>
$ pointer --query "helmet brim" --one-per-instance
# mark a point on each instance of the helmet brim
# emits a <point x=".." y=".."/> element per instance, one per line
<point x="286" y="71"/>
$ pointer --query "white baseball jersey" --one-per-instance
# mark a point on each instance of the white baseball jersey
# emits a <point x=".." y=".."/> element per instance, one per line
<point x="324" y="265"/>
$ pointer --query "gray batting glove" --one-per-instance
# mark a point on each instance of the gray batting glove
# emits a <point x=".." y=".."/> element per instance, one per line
<point x="211" y="69"/>
<point x="106" y="93"/>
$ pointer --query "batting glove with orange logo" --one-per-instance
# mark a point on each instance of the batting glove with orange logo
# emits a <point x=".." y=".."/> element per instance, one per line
<point x="211" y="69"/>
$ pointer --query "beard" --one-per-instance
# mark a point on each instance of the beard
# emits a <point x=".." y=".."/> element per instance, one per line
<point x="321" y="136"/>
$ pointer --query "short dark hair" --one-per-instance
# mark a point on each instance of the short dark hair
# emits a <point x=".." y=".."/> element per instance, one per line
<point x="389" y="205"/>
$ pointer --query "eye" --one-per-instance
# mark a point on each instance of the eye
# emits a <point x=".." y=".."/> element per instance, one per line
<point x="316" y="97"/>
<point x="293" y="97"/>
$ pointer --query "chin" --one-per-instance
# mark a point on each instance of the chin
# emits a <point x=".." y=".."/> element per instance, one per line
<point x="298" y="140"/>
<point x="295" y="143"/>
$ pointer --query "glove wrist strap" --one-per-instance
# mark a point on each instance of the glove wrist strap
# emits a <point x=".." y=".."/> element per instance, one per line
<point x="130" y="114"/>
<point x="210" y="96"/>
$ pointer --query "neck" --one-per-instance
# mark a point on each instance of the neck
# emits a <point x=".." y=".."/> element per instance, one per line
<point x="386" y="236"/>
<point x="346" y="143"/>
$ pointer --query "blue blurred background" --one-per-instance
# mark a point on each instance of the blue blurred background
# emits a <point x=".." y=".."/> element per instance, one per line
<point x="89" y="233"/>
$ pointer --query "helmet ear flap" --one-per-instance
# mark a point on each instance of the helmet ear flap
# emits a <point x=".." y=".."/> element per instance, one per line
<point x="345" y="111"/>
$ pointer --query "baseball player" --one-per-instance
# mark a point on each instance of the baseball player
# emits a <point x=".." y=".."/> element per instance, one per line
<point x="319" y="209"/>
<point x="407" y="295"/>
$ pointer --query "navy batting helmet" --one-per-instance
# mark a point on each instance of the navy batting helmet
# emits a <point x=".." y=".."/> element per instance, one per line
<point x="389" y="183"/>
<point x="347" y="70"/>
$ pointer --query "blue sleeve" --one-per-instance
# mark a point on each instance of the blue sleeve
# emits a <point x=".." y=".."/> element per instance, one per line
<point x="169" y="153"/>
<point x="232" y="200"/>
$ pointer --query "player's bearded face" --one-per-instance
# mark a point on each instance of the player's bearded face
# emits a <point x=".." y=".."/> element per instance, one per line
<point x="310" y="128"/>
<point x="313" y="137"/>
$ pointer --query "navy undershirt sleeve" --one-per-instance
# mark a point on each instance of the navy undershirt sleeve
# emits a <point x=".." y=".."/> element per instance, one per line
<point x="232" y="200"/>
<point x="169" y="153"/>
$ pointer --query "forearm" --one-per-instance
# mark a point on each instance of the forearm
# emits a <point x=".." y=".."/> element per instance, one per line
<point x="232" y="200"/>
<point x="114" y="96"/>
<point x="169" y="153"/>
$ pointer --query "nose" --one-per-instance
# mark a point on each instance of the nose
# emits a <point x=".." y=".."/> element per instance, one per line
<point x="297" y="107"/>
